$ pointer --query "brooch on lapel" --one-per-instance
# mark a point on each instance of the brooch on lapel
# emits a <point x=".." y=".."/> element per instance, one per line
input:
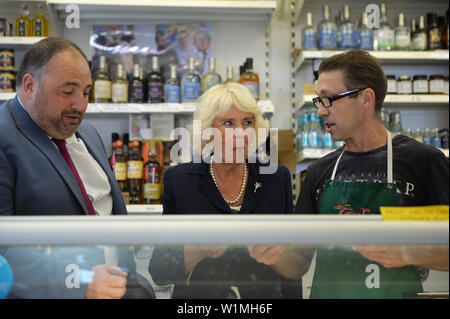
<point x="257" y="185"/>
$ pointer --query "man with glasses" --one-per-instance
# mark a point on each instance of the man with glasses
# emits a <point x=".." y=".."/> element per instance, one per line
<point x="374" y="168"/>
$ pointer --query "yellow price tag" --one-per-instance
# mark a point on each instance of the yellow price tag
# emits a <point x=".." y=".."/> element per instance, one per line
<point x="416" y="213"/>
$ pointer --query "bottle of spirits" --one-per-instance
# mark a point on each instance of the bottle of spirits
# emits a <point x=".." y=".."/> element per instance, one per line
<point x="191" y="83"/>
<point x="230" y="76"/>
<point x="385" y="34"/>
<point x="212" y="77"/>
<point x="135" y="171"/>
<point x="102" y="83"/>
<point x="250" y="80"/>
<point x="397" y="123"/>
<point x="309" y="34"/>
<point x="120" y="171"/>
<point x="172" y="87"/>
<point x="365" y="34"/>
<point x="23" y="23"/>
<point x="433" y="32"/>
<point x="327" y="31"/>
<point x="136" y="86"/>
<point x="402" y="34"/>
<point x="348" y="31"/>
<point x="427" y="138"/>
<point x="418" y="136"/>
<point x="152" y="177"/>
<point x="155" y="83"/>
<point x="40" y="23"/>
<point x="436" y="138"/>
<point x="419" y="37"/>
<point x="120" y="86"/>
<point x="339" y="20"/>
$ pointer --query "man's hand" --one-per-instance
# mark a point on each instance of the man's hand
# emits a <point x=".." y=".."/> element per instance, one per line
<point x="108" y="282"/>
<point x="387" y="256"/>
<point x="266" y="254"/>
<point x="193" y="254"/>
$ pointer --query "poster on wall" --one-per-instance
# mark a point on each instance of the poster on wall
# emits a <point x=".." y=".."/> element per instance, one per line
<point x="137" y="44"/>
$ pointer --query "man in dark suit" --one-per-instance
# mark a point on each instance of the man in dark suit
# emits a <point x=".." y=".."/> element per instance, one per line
<point x="52" y="163"/>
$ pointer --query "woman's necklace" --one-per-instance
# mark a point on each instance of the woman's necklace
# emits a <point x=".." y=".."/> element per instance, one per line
<point x="211" y="170"/>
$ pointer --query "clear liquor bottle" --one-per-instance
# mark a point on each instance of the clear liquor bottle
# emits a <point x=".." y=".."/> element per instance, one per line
<point x="40" y="23"/>
<point x="397" y="123"/>
<point x="365" y="34"/>
<point x="191" y="83"/>
<point x="385" y="34"/>
<point x="419" y="37"/>
<point x="348" y="31"/>
<point x="155" y="83"/>
<point x="436" y="138"/>
<point x="102" y="83"/>
<point x="249" y="79"/>
<point x="418" y="136"/>
<point x="230" y="76"/>
<point x="120" y="86"/>
<point x="136" y="86"/>
<point x="402" y="34"/>
<point x="23" y="23"/>
<point x="327" y="31"/>
<point x="212" y="77"/>
<point x="309" y="34"/>
<point x="172" y="87"/>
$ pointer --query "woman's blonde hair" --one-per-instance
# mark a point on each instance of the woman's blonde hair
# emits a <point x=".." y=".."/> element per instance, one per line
<point x="218" y="100"/>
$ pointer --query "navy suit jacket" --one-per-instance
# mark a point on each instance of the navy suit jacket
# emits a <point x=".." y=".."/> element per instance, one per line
<point x="35" y="180"/>
<point x="189" y="189"/>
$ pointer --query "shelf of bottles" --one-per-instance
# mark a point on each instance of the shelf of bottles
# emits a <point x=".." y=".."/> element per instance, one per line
<point x="19" y="41"/>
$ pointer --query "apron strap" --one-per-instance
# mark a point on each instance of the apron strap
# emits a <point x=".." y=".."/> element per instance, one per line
<point x="390" y="169"/>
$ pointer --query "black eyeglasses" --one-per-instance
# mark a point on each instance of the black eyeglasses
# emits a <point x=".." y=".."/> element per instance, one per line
<point x="327" y="100"/>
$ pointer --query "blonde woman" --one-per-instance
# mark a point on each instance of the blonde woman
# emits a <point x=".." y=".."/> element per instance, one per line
<point x="227" y="184"/>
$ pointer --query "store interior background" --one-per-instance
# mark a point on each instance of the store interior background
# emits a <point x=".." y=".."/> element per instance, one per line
<point x="267" y="31"/>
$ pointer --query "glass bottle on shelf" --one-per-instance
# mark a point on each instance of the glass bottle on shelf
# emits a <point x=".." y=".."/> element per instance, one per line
<point x="298" y="134"/>
<point x="418" y="135"/>
<point x="338" y="21"/>
<point x="315" y="131"/>
<point x="385" y="118"/>
<point x="396" y="123"/>
<point x="365" y="34"/>
<point x="40" y="23"/>
<point x="385" y="34"/>
<point x="433" y="32"/>
<point x="402" y="34"/>
<point x="348" y="31"/>
<point x="102" y="83"/>
<point x="212" y="77"/>
<point x="409" y="133"/>
<point x="419" y="37"/>
<point x="327" y="31"/>
<point x="436" y="138"/>
<point x="155" y="83"/>
<point x="191" y="83"/>
<point x="427" y="138"/>
<point x="309" y="34"/>
<point x="250" y="80"/>
<point x="137" y="86"/>
<point x="120" y="86"/>
<point x="172" y="87"/>
<point x="230" y="76"/>
<point x="152" y="177"/>
<point x="23" y="23"/>
<point x="306" y="129"/>
<point x="120" y="171"/>
<point x="135" y="170"/>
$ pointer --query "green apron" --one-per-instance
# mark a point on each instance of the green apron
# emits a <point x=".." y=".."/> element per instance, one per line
<point x="343" y="273"/>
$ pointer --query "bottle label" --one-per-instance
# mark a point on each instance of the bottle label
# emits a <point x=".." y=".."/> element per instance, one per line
<point x="402" y="41"/>
<point x="435" y="39"/>
<point x="135" y="169"/>
<point x="419" y="42"/>
<point x="152" y="191"/>
<point x="155" y="92"/>
<point x="392" y="86"/>
<point x="436" y="86"/>
<point x="191" y="90"/>
<point x="427" y="140"/>
<point x="327" y="39"/>
<point x="253" y="87"/>
<point x="310" y="41"/>
<point x="386" y="39"/>
<point x="366" y="40"/>
<point x="420" y="86"/>
<point x="120" y="92"/>
<point x="120" y="171"/>
<point x="173" y="93"/>
<point x="38" y="28"/>
<point x="102" y="89"/>
<point x="210" y="84"/>
<point x="348" y="39"/>
<point x="404" y="87"/>
<point x="437" y="142"/>
<point x="137" y="93"/>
